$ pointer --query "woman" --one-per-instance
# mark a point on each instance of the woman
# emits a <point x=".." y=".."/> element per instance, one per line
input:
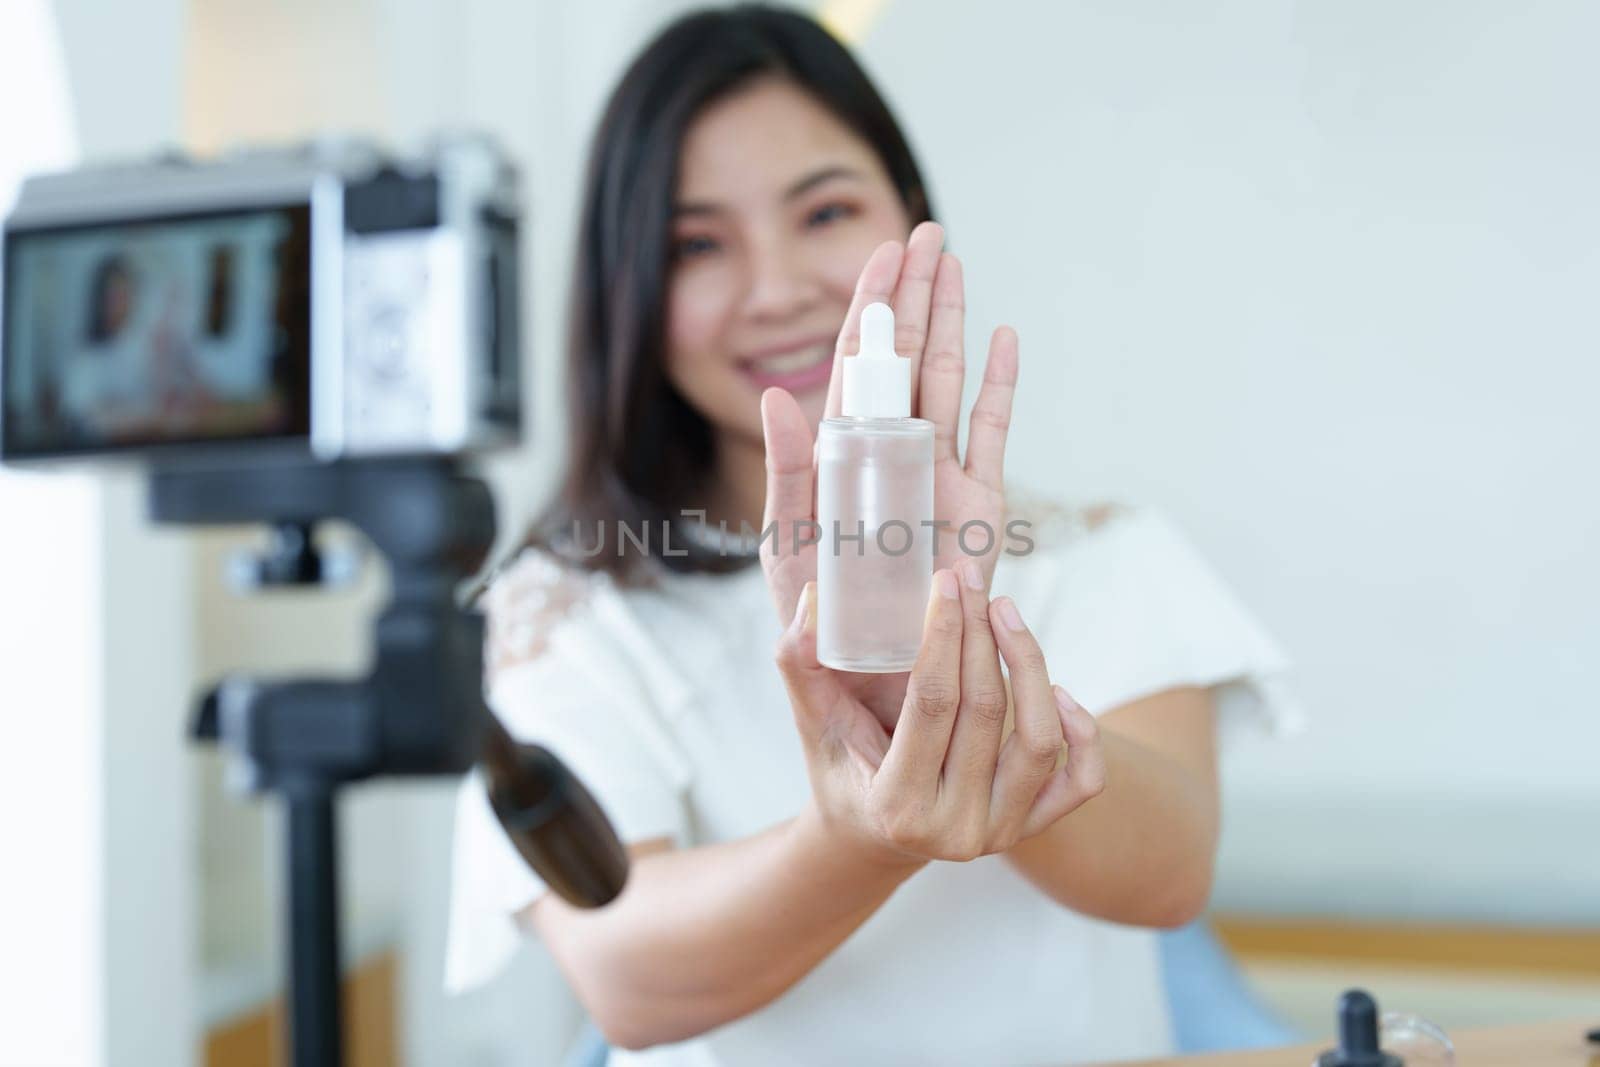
<point x="830" y="868"/>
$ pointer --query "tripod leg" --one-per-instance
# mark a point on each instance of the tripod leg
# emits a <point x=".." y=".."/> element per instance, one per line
<point x="316" y="1035"/>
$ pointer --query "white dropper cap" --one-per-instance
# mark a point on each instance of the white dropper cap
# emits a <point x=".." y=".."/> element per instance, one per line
<point x="877" y="383"/>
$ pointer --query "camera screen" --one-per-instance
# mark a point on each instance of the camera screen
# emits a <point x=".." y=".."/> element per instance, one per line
<point x="157" y="332"/>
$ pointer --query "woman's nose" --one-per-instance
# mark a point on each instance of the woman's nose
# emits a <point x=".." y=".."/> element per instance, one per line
<point x="780" y="283"/>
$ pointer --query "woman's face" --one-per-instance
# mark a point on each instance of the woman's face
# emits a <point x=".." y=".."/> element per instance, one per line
<point x="778" y="207"/>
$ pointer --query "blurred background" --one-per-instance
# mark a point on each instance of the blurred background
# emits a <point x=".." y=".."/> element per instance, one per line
<point x="1316" y="278"/>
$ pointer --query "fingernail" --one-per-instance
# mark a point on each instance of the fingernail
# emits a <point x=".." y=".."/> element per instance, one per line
<point x="802" y="608"/>
<point x="1063" y="699"/>
<point x="945" y="581"/>
<point x="1008" y="613"/>
<point x="971" y="575"/>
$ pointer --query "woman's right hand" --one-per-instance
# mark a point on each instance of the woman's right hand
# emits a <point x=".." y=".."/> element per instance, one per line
<point x="948" y="784"/>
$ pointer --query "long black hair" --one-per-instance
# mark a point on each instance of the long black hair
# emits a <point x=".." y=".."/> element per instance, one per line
<point x="638" y="450"/>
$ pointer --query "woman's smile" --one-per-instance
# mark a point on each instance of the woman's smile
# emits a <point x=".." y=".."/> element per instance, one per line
<point x="799" y="366"/>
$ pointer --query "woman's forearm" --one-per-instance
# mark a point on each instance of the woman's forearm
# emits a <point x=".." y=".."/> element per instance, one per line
<point x="1143" y="851"/>
<point x="703" y="936"/>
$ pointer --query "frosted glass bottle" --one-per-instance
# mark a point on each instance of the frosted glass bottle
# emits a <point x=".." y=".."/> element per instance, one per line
<point x="875" y="510"/>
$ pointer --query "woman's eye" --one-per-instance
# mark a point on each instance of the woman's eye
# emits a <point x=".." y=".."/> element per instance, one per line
<point x="829" y="213"/>
<point x="692" y="247"/>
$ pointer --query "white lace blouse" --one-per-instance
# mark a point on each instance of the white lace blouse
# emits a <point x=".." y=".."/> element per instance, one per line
<point x="666" y="702"/>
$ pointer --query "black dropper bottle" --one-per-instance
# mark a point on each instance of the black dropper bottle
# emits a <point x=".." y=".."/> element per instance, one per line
<point x="1358" y="1035"/>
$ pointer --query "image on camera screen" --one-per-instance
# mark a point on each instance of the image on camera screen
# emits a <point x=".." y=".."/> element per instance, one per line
<point x="157" y="332"/>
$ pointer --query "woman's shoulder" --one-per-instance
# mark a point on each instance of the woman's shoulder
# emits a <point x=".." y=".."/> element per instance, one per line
<point x="526" y="601"/>
<point x="1046" y="530"/>
<point x="1125" y="605"/>
<point x="1109" y="553"/>
<point x="552" y="626"/>
<point x="1064" y="521"/>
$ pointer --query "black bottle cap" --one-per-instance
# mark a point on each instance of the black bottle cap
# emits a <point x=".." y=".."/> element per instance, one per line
<point x="1358" y="1035"/>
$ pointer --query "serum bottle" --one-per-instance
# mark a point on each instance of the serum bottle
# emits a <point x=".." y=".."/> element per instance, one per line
<point x="875" y="507"/>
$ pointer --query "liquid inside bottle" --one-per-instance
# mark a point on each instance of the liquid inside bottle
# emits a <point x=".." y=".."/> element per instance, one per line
<point x="875" y="553"/>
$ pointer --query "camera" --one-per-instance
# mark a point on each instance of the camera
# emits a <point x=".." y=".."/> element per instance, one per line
<point x="320" y="302"/>
<point x="289" y="337"/>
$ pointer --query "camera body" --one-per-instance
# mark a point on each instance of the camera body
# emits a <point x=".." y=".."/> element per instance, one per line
<point x="319" y="302"/>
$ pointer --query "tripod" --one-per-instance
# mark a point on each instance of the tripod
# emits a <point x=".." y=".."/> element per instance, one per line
<point x="420" y="711"/>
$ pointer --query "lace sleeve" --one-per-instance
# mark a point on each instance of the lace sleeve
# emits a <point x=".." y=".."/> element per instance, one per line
<point x="1052" y="522"/>
<point x="523" y="605"/>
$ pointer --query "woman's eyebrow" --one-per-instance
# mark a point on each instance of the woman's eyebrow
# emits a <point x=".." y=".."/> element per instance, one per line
<point x="817" y="177"/>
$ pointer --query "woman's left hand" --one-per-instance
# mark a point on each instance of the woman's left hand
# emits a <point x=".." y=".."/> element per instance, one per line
<point x="923" y="285"/>
<point x="945" y="779"/>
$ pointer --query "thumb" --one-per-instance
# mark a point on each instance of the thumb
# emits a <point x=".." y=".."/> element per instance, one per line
<point x="790" y="482"/>
<point x="787" y="436"/>
<point x="812" y="687"/>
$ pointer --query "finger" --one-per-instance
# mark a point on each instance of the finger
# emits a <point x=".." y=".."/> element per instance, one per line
<point x="790" y="487"/>
<point x="922" y="734"/>
<point x="913" y="296"/>
<point x="874" y="286"/>
<point x="811" y="686"/>
<point x="991" y="414"/>
<point x="943" y="367"/>
<point x="981" y="718"/>
<point x="1084" y="776"/>
<point x="1030" y="752"/>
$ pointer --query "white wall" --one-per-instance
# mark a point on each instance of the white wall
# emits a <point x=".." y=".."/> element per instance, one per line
<point x="94" y="633"/>
<point x="123" y="63"/>
<point x="1318" y="278"/>
<point x="49" y="692"/>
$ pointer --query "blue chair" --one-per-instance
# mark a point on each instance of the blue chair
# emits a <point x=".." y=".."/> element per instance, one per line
<point x="589" y="1050"/>
<point x="1213" y="1010"/>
